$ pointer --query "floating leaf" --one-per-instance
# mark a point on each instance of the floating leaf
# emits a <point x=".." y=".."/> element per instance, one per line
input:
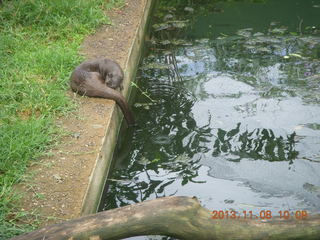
<point x="179" y="24"/>
<point x="165" y="42"/>
<point x="257" y="34"/>
<point x="263" y="50"/>
<point x="168" y="17"/>
<point x="311" y="188"/>
<point x="267" y="39"/>
<point x="202" y="40"/>
<point x="169" y="25"/>
<point x="244" y="32"/>
<point x="313" y="126"/>
<point x="295" y="55"/>
<point x="181" y="42"/>
<point x="281" y="30"/>
<point x="189" y="9"/>
<point x="274" y="23"/>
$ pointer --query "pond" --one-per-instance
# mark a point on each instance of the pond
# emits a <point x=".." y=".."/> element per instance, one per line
<point x="228" y="108"/>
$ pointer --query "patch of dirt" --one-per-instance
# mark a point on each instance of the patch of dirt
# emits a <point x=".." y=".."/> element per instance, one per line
<point x="59" y="182"/>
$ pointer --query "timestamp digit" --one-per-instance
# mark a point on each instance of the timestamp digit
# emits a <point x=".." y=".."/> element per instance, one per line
<point x="265" y="214"/>
<point x="304" y="214"/>
<point x="301" y="214"/>
<point x="233" y="214"/>
<point x="244" y="214"/>
<point x="221" y="214"/>
<point x="250" y="212"/>
<point x="249" y="215"/>
<point x="284" y="214"/>
<point x="268" y="214"/>
<point x="227" y="214"/>
<point x="214" y="214"/>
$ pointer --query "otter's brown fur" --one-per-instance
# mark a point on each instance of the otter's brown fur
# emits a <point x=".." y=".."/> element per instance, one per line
<point x="89" y="79"/>
<point x="110" y="71"/>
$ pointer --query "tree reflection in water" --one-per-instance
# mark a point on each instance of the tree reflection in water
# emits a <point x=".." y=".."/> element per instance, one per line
<point x="258" y="144"/>
<point x="163" y="148"/>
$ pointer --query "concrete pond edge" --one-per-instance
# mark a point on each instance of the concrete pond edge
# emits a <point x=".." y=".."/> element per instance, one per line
<point x="103" y="162"/>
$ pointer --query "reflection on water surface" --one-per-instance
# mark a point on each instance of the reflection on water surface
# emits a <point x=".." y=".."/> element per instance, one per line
<point x="232" y="114"/>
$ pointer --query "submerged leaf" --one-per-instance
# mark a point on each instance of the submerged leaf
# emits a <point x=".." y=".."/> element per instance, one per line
<point x="183" y="158"/>
<point x="170" y="25"/>
<point x="161" y="26"/>
<point x="156" y="65"/>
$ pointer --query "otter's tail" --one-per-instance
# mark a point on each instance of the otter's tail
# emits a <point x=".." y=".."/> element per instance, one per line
<point x="122" y="103"/>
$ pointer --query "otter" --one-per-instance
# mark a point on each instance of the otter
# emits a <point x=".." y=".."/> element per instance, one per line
<point x="110" y="71"/>
<point x="100" y="78"/>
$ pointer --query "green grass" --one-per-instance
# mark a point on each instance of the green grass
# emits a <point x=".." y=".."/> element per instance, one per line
<point x="39" y="42"/>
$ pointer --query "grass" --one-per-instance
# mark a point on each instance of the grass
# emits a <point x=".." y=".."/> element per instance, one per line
<point x="39" y="42"/>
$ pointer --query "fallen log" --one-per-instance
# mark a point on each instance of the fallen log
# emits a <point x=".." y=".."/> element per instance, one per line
<point x="179" y="217"/>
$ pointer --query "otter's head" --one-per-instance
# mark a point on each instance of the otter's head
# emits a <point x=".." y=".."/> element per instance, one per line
<point x="114" y="81"/>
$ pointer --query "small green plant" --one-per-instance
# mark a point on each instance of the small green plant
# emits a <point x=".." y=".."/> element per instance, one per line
<point x="144" y="93"/>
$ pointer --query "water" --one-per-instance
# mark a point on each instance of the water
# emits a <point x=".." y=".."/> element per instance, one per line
<point x="230" y="111"/>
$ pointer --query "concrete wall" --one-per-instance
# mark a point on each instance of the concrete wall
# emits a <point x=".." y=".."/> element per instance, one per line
<point x="103" y="162"/>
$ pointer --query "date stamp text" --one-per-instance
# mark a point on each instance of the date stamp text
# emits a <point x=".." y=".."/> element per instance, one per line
<point x="262" y="215"/>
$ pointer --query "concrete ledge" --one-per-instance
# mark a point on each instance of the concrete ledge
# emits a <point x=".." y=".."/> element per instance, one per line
<point x="103" y="161"/>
